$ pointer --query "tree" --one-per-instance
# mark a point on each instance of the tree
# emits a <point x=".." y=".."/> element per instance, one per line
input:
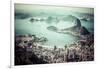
<point x="55" y="47"/>
<point x="65" y="47"/>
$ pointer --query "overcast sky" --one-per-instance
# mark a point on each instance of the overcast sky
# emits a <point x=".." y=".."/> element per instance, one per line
<point x="30" y="8"/>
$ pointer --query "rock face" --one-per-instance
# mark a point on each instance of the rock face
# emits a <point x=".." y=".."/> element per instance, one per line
<point x="84" y="31"/>
<point x="77" y="23"/>
<point x="76" y="30"/>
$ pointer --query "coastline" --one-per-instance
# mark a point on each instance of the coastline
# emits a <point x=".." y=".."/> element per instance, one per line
<point x="76" y="52"/>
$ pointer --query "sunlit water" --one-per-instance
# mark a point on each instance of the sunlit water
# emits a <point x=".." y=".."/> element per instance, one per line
<point x="24" y="26"/>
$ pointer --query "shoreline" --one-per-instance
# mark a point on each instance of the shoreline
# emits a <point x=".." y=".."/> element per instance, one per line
<point x="76" y="52"/>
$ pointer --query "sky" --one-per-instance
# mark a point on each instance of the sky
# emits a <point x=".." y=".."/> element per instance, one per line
<point x="33" y="8"/>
